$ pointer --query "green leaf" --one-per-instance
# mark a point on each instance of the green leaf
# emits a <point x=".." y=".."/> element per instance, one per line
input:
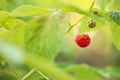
<point x="14" y="33"/>
<point x="28" y="10"/>
<point x="103" y="3"/>
<point x="85" y="72"/>
<point x="44" y="36"/>
<point x="18" y="36"/>
<point x="115" y="16"/>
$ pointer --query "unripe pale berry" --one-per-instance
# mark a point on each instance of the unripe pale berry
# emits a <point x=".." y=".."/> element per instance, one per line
<point x="91" y="24"/>
<point x="82" y="40"/>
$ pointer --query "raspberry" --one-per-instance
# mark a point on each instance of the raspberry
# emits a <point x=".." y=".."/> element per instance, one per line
<point x="82" y="40"/>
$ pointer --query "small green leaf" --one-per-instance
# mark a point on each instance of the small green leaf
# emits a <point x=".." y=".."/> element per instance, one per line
<point x="28" y="10"/>
<point x="103" y="3"/>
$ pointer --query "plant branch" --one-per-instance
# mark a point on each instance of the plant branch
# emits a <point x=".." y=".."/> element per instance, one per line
<point x="71" y="26"/>
<point x="28" y="74"/>
<point x="43" y="75"/>
<point x="91" y="6"/>
<point x="13" y="69"/>
<point x="47" y="68"/>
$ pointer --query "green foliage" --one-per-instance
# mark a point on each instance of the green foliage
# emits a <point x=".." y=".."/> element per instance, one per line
<point x="84" y="25"/>
<point x="45" y="31"/>
<point x="115" y="16"/>
<point x="27" y="10"/>
<point x="6" y="72"/>
<point x="114" y="5"/>
<point x="114" y="27"/>
<point x="6" y="75"/>
<point x="16" y="55"/>
<point x="81" y="71"/>
<point x="33" y="34"/>
<point x="71" y="8"/>
<point x="115" y="34"/>
<point x="113" y="71"/>
<point x="7" y="5"/>
<point x="14" y="32"/>
<point x="44" y="4"/>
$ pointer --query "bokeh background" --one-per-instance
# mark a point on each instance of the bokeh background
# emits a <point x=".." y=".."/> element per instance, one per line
<point x="100" y="53"/>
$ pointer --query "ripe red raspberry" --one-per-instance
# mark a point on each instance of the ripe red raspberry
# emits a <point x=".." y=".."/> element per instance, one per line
<point x="82" y="40"/>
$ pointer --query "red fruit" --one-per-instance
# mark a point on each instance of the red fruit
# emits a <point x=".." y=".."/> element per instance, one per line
<point x="82" y="40"/>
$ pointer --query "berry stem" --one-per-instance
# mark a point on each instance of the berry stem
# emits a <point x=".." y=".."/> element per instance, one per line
<point x="71" y="26"/>
<point x="28" y="74"/>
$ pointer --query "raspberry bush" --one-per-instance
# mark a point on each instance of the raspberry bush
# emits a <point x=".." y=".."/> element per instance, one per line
<point x="33" y="42"/>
